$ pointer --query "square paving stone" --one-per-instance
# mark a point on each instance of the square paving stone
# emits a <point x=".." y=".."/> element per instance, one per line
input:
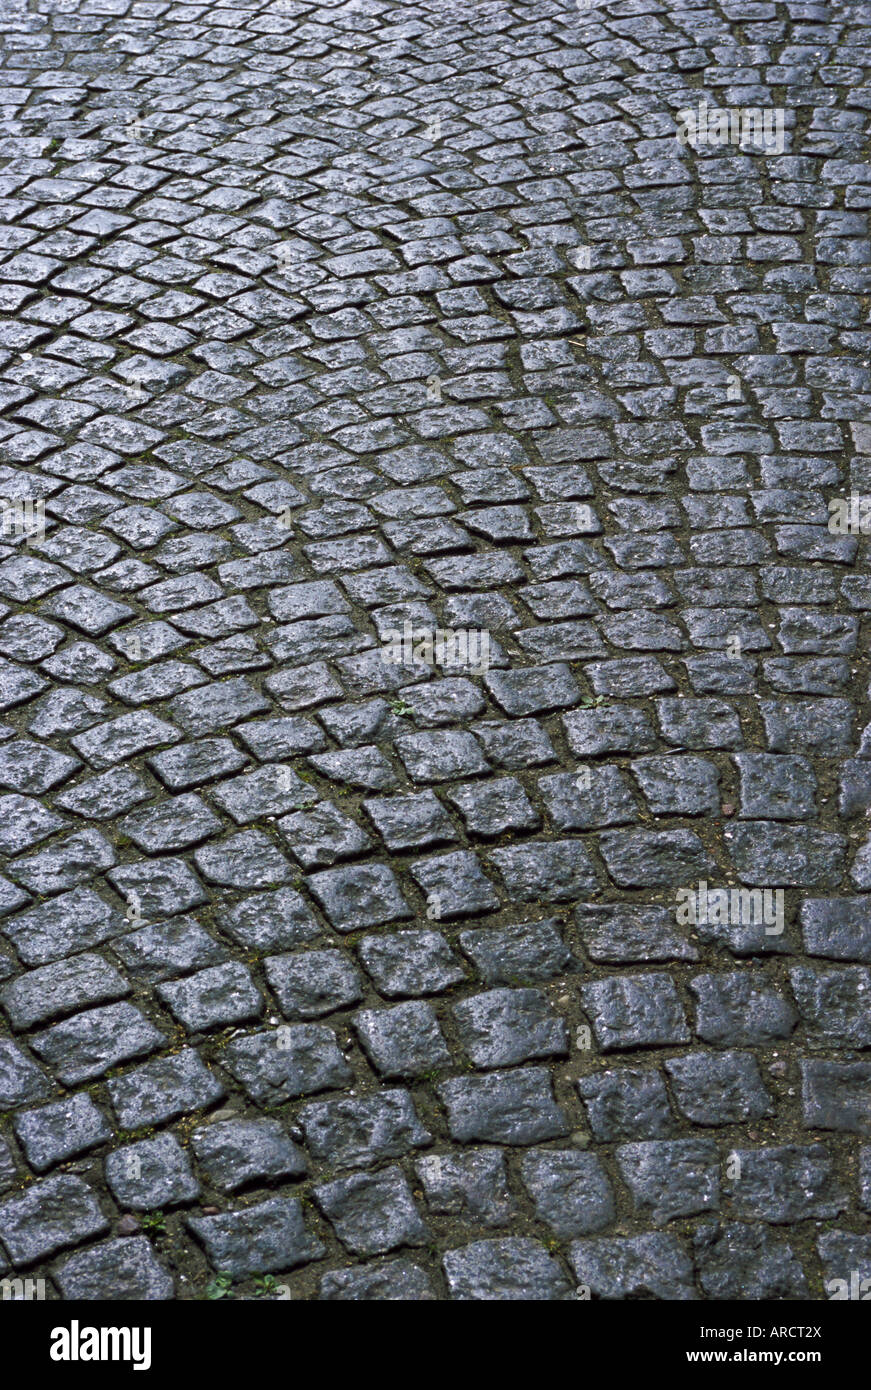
<point x="60" y="1131"/>
<point x="159" y="887"/>
<point x="173" y="824"/>
<point x="87" y="609"/>
<point x="534" y="691"/>
<point x="235" y="1154"/>
<point x="832" y="1003"/>
<point x="741" y="1008"/>
<point x="855" y="788"/>
<point x="18" y="686"/>
<point x="699" y="723"/>
<point x="509" y="1107"/>
<point x="292" y="1060"/>
<point x="64" y="711"/>
<point x="781" y="1185"/>
<point x="505" y="1026"/>
<point x="632" y="1267"/>
<point x="809" y="726"/>
<point x="365" y="895"/>
<point x="471" y="1187"/>
<point x="322" y="835"/>
<point x="440" y="756"/>
<point x="528" y="953"/>
<point x="24" y="577"/>
<point x="163" y="1090"/>
<point x="106" y="796"/>
<point x="775" y="787"/>
<point x="50" y="1216"/>
<point x="627" y="1103"/>
<point x="309" y="984"/>
<point x="269" y="921"/>
<point x="450" y="701"/>
<point x="372" y="1214"/>
<point x="303" y="687"/>
<point x="213" y="998"/>
<point x="268" y="791"/>
<point x="669" y="1178"/>
<point x="514" y="1269"/>
<point x="601" y="796"/>
<point x="54" y="990"/>
<point x="11" y="899"/>
<point x="191" y="764"/>
<point x="680" y="785"/>
<point x="363" y="767"/>
<point x="490" y="809"/>
<point x="546" y="871"/>
<point x="617" y="729"/>
<point x="514" y="746"/>
<point x="836" y="1095"/>
<point x="720" y="1088"/>
<point x="217" y="706"/>
<point x="25" y="822"/>
<point x="410" y="822"/>
<point x="262" y="1239"/>
<point x="155" y="682"/>
<point x="773" y="854"/>
<point x="403" y="1041"/>
<point x="627" y="932"/>
<point x="30" y="767"/>
<point x="454" y="885"/>
<point x="399" y="1281"/>
<point x="151" y="1175"/>
<point x="246" y="860"/>
<point x="749" y="1262"/>
<point x="71" y="922"/>
<point x="410" y="963"/>
<point x="87" y="1045"/>
<point x="57" y="869"/>
<point x="359" y="1132"/>
<point x="570" y="1191"/>
<point x="635" y="1011"/>
<point x="116" y="1271"/>
<point x="655" y="858"/>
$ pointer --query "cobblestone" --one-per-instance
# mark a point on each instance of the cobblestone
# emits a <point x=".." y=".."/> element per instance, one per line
<point x="435" y="757"/>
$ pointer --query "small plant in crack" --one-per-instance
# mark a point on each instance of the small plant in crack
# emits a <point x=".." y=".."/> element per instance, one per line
<point x="401" y="708"/>
<point x="220" y="1287"/>
<point x="155" y="1222"/>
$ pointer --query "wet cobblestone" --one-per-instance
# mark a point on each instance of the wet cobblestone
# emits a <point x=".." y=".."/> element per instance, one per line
<point x="433" y="562"/>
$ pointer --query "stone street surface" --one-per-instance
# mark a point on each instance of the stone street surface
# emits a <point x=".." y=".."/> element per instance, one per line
<point x="435" y="759"/>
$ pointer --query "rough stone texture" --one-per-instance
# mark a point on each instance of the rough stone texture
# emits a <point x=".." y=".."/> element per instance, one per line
<point x="116" y="1271"/>
<point x="515" y="1269"/>
<point x="269" y="1236"/>
<point x="441" y="578"/>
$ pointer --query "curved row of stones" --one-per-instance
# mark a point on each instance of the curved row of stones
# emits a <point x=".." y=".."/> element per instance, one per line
<point x="333" y="331"/>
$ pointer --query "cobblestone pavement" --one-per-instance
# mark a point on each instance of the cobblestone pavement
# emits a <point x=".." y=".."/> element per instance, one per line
<point x="422" y="575"/>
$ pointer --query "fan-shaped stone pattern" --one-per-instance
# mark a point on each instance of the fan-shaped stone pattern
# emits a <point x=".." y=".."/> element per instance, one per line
<point x="434" y="745"/>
